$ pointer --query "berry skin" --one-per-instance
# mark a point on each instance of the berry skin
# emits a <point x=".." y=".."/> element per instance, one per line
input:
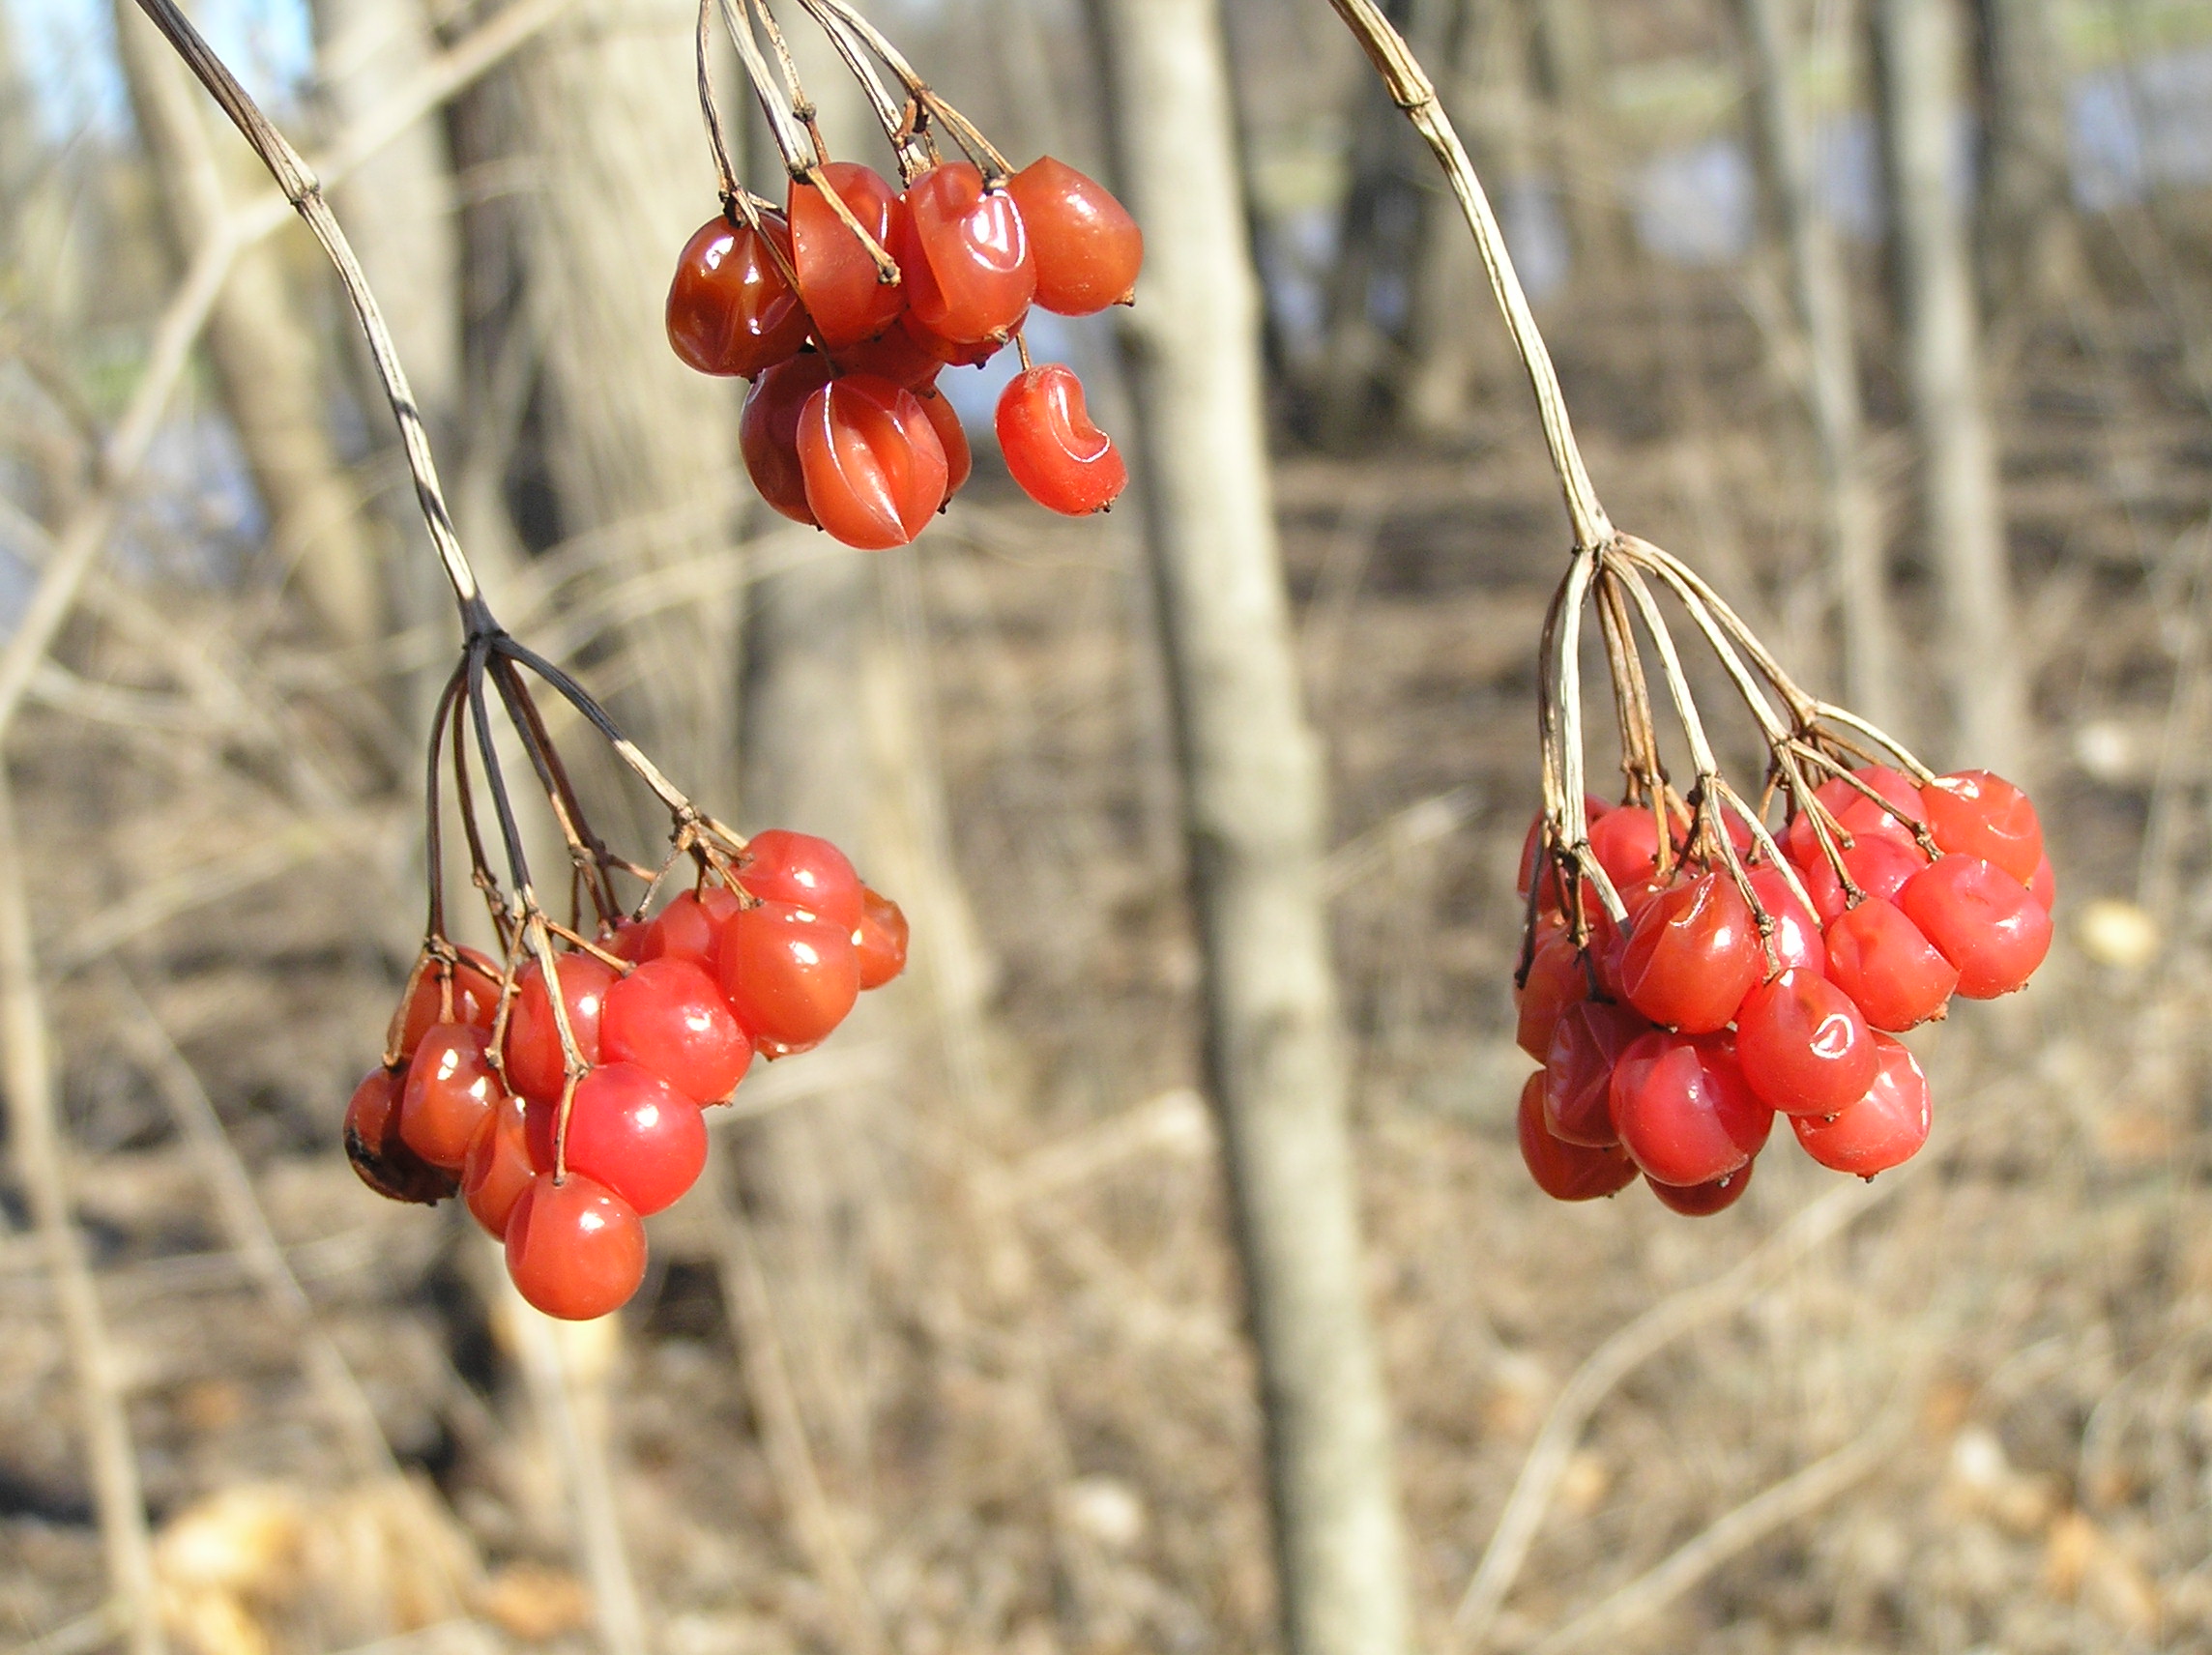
<point x="629" y="1131"/>
<point x="1702" y="1201"/>
<point x="1578" y="1067"/>
<point x="1693" y="956"/>
<point x="1856" y="815"/>
<point x="1883" y="1129"/>
<point x="838" y="280"/>
<point x="1973" y="813"/>
<point x="1625" y="840"/>
<point x="2044" y="886"/>
<point x="1087" y="247"/>
<point x="767" y="432"/>
<point x="533" y="1057"/>
<point x="690" y="928"/>
<point x="1879" y="864"/>
<point x="451" y="1087"/>
<point x="951" y="436"/>
<point x="1796" y="932"/>
<point x="498" y="1166"/>
<point x="1557" y="979"/>
<point x="1982" y="920"/>
<point x="806" y="871"/>
<point x="474" y="999"/>
<point x="789" y="976"/>
<point x="1888" y="967"/>
<point x="873" y="467"/>
<point x="1803" y="1046"/>
<point x="964" y="255"/>
<point x="882" y="939"/>
<point x="897" y="354"/>
<point x="1532" y="851"/>
<point x="730" y="311"/>
<point x="629" y="941"/>
<point x="1061" y="460"/>
<point x="1565" y="1172"/>
<point x="380" y="1157"/>
<point x="574" y="1250"/>
<point x="1684" y="1112"/>
<point x="667" y="1017"/>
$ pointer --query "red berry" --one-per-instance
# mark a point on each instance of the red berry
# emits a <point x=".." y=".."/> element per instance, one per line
<point x="837" y="279"/>
<point x="951" y="436"/>
<point x="1878" y="863"/>
<point x="964" y="255"/>
<point x="1982" y="920"/>
<point x="789" y="976"/>
<point x="874" y="469"/>
<point x="690" y="928"/>
<point x="1684" y="1112"/>
<point x="667" y="1017"/>
<point x="1087" y="247"/>
<point x="630" y="941"/>
<point x="1796" y="932"/>
<point x="1565" y="1172"/>
<point x="474" y="998"/>
<point x="498" y="1166"/>
<point x="1693" y="956"/>
<point x="806" y="871"/>
<point x="628" y="1130"/>
<point x="1973" y="813"/>
<point x="1531" y="851"/>
<point x="881" y="944"/>
<point x="2044" y="886"/>
<point x="1887" y="966"/>
<point x="1882" y="1129"/>
<point x="380" y="1157"/>
<point x="1702" y="1201"/>
<point x="534" y="1066"/>
<point x="1858" y="816"/>
<point x="451" y="1087"/>
<point x="1578" y="1066"/>
<point x="767" y="432"/>
<point x="574" y="1250"/>
<point x="1061" y="460"/>
<point x="1625" y="840"/>
<point x="946" y="353"/>
<point x="1557" y="978"/>
<point x="730" y="311"/>
<point x="896" y="354"/>
<point x="1803" y="1046"/>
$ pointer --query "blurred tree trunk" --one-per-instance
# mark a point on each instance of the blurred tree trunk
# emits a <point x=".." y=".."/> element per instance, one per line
<point x="1918" y="62"/>
<point x="1782" y="141"/>
<point x="1575" y="80"/>
<point x="2029" y="237"/>
<point x="1449" y="316"/>
<point x="1254" y="813"/>
<point x="267" y="357"/>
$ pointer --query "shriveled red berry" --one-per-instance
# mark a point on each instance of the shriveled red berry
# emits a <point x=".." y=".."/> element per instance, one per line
<point x="1887" y="964"/>
<point x="1061" y="460"/>
<point x="1883" y="1128"/>
<point x="1557" y="978"/>
<point x="767" y="432"/>
<point x="690" y="928"/>
<point x="883" y="938"/>
<point x="1972" y="813"/>
<point x="1982" y="920"/>
<point x="451" y="1087"/>
<point x="498" y="1166"/>
<point x="1702" y="1201"/>
<point x="1796" y="930"/>
<point x="951" y="436"/>
<point x="789" y="976"/>
<point x="1578" y="1067"/>
<point x="874" y="469"/>
<point x="1087" y="247"/>
<point x="2044" y="886"/>
<point x="1565" y="1172"/>
<point x="668" y="1018"/>
<point x="472" y="998"/>
<point x="1693" y="956"/>
<point x="629" y="1130"/>
<point x="534" y="1066"/>
<point x="837" y="279"/>
<point x="1804" y="1047"/>
<point x="574" y="1250"/>
<point x="730" y="311"/>
<point x="1858" y="816"/>
<point x="1684" y="1112"/>
<point x="1879" y="864"/>
<point x="896" y="354"/>
<point x="805" y="870"/>
<point x="379" y="1155"/>
<point x="964" y="255"/>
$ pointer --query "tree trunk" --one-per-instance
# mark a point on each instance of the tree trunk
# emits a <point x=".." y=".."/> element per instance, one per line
<point x="1918" y="71"/>
<point x="1781" y="140"/>
<point x="1253" y="811"/>
<point x="1575" y="81"/>
<point x="2029" y="238"/>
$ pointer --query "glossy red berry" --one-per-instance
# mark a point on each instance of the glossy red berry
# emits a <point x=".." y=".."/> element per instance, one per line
<point x="767" y="432"/>
<point x="451" y="1087"/>
<point x="1796" y="931"/>
<point x="574" y="1250"/>
<point x="1557" y="978"/>
<point x="1683" y="1110"/>
<point x="874" y="469"/>
<point x="1973" y="813"/>
<point x="1982" y="920"/>
<point x="1879" y="864"/>
<point x="2044" y="885"/>
<point x="498" y="1166"/>
<point x="1693" y="956"/>
<point x="1887" y="964"/>
<point x="1803" y="1046"/>
<point x="789" y="976"/>
<point x="629" y="941"/>
<point x="1087" y="247"/>
<point x="964" y="255"/>
<point x="1625" y="840"/>
<point x="629" y="1131"/>
<point x="730" y="311"/>
<point x="1532" y="851"/>
<point x="668" y="1018"/>
<point x="466" y="992"/>
<point x="896" y="354"/>
<point x="1565" y="1172"/>
<point x="951" y="436"/>
<point x="1578" y="1067"/>
<point x="534" y="1066"/>
<point x="1883" y="1128"/>
<point x="805" y="870"/>
<point x="837" y="278"/>
<point x="1702" y="1201"/>
<point x="1061" y="460"/>
<point x="1857" y="817"/>
<point x="883" y="938"/>
<point x="380" y="1157"/>
<point x="690" y="928"/>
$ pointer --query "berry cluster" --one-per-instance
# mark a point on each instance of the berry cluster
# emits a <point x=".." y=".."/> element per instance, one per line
<point x="845" y="427"/>
<point x="665" y="1015"/>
